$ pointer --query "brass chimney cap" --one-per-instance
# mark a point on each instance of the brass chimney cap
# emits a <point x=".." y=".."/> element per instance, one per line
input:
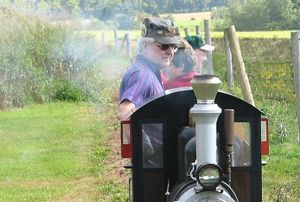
<point x="205" y="87"/>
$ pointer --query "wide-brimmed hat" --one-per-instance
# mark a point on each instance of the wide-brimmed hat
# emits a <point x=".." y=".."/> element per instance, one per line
<point x="197" y="42"/>
<point x="163" y="31"/>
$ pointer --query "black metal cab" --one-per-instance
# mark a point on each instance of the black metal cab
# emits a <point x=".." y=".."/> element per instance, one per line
<point x="159" y="146"/>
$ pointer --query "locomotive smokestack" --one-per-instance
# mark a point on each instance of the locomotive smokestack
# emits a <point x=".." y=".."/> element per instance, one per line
<point x="205" y="88"/>
<point x="205" y="114"/>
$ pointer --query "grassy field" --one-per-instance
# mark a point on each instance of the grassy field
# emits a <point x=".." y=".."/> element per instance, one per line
<point x="190" y="21"/>
<point x="281" y="176"/>
<point x="56" y="152"/>
<point x="188" y="16"/>
<point x="70" y="152"/>
<point x="134" y="35"/>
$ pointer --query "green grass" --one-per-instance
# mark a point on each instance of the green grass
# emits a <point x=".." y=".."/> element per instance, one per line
<point x="191" y="25"/>
<point x="281" y="176"/>
<point x="262" y="34"/>
<point x="134" y="35"/>
<point x="34" y="133"/>
<point x="50" y="151"/>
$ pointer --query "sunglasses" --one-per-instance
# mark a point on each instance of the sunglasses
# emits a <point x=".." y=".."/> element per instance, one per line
<point x="166" y="46"/>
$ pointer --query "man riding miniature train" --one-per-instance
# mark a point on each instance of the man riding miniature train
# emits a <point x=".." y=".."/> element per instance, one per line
<point x="155" y="50"/>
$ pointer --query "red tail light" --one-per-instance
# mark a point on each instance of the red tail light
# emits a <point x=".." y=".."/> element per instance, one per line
<point x="264" y="136"/>
<point x="126" y="139"/>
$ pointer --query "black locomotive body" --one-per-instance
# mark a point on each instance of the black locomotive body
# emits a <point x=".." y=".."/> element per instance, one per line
<point x="162" y="148"/>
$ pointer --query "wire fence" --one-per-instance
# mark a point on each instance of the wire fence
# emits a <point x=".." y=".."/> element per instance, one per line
<point x="268" y="64"/>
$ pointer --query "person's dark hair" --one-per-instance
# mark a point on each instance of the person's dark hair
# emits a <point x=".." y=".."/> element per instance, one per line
<point x="185" y="57"/>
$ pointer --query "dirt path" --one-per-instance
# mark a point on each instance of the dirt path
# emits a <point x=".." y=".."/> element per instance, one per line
<point x="117" y="170"/>
<point x="87" y="189"/>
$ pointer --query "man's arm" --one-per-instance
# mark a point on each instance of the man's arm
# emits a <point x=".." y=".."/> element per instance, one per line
<point x="126" y="108"/>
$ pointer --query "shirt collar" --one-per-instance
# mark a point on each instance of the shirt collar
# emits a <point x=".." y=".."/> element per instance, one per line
<point x="155" y="68"/>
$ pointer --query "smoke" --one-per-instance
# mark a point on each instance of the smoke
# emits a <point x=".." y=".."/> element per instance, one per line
<point x="49" y="45"/>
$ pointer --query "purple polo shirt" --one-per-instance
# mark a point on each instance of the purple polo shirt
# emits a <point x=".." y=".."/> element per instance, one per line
<point x="141" y="82"/>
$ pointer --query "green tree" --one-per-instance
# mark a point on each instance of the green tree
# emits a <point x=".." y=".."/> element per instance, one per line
<point x="262" y="14"/>
<point x="279" y="13"/>
<point x="249" y="16"/>
<point x="297" y="3"/>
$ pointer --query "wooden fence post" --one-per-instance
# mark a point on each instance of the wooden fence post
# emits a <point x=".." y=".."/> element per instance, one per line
<point x="186" y="31"/>
<point x="103" y="38"/>
<point x="2" y="100"/>
<point x="296" y="64"/>
<point x="128" y="44"/>
<point x="239" y="63"/>
<point x="209" y="61"/>
<point x="197" y="30"/>
<point x="116" y="39"/>
<point x="230" y="80"/>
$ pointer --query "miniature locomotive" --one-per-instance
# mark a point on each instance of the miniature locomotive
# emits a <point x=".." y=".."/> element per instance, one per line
<point x="195" y="145"/>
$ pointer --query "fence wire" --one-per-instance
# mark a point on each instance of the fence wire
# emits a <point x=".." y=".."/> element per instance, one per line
<point x="269" y="67"/>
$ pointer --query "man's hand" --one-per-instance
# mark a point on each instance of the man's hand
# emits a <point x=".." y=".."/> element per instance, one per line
<point x="126" y="108"/>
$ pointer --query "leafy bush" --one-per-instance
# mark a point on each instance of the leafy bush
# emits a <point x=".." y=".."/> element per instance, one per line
<point x="282" y="119"/>
<point x="37" y="56"/>
<point x="259" y="15"/>
<point x="170" y="17"/>
<point x="125" y="21"/>
<point x="66" y="90"/>
<point x="14" y="69"/>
